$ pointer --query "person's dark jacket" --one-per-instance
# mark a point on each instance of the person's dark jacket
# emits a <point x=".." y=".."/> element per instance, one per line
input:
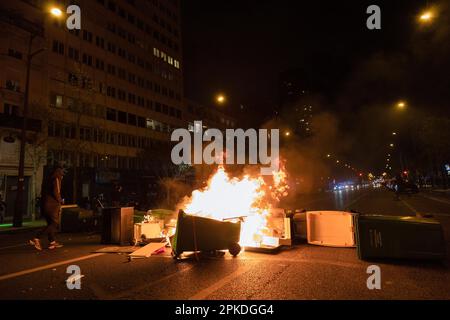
<point x="52" y="199"/>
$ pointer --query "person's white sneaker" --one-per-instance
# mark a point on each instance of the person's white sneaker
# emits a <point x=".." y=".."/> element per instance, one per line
<point x="36" y="243"/>
<point x="54" y="245"/>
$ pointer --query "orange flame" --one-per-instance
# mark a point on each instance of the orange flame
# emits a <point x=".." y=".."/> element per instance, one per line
<point x="249" y="197"/>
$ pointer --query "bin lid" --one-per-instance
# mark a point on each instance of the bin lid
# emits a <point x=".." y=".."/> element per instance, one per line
<point x="330" y="228"/>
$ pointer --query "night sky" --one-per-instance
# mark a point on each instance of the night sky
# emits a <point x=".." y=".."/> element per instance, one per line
<point x="240" y="48"/>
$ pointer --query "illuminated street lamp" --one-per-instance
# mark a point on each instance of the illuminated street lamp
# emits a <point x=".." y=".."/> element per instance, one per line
<point x="287" y="133"/>
<point x="20" y="189"/>
<point x="391" y="145"/>
<point x="426" y="17"/>
<point x="220" y="99"/>
<point x="56" y="12"/>
<point x="394" y="133"/>
<point x="401" y="105"/>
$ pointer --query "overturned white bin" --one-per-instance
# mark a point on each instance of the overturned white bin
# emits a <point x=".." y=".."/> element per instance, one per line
<point x="330" y="228"/>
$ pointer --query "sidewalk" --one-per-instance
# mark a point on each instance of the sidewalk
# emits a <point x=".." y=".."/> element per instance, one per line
<point x="7" y="228"/>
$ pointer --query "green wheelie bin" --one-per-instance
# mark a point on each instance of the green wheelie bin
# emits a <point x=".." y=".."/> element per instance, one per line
<point x="399" y="237"/>
<point x="203" y="234"/>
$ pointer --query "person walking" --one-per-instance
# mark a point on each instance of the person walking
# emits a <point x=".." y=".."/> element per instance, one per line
<point x="51" y="207"/>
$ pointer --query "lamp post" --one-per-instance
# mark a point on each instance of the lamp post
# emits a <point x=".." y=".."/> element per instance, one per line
<point x="19" y="203"/>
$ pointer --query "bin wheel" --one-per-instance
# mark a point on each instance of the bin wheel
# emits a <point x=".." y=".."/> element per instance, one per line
<point x="234" y="249"/>
<point x="175" y="255"/>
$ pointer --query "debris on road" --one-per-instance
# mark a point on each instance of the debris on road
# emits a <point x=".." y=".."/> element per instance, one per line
<point x="330" y="228"/>
<point x="127" y="249"/>
<point x="147" y="251"/>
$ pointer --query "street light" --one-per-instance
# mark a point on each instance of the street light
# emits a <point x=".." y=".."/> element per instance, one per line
<point x="19" y="203"/>
<point x="56" y="12"/>
<point x="287" y="133"/>
<point x="391" y="145"/>
<point x="426" y="16"/>
<point x="220" y="99"/>
<point x="401" y="105"/>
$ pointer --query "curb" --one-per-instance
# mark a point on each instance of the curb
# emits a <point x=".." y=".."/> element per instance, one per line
<point x="19" y="230"/>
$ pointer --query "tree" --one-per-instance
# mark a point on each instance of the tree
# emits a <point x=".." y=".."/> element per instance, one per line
<point x="434" y="140"/>
<point x="82" y="110"/>
<point x="172" y="179"/>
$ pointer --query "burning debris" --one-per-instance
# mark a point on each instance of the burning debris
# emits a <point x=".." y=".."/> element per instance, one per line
<point x="250" y="199"/>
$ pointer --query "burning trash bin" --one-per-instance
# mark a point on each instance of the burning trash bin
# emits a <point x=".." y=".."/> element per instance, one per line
<point x="195" y="233"/>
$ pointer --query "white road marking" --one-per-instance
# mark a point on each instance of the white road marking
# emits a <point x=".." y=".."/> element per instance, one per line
<point x="48" y="266"/>
<point x="354" y="201"/>
<point x="435" y="199"/>
<point x="417" y="213"/>
<point x="410" y="207"/>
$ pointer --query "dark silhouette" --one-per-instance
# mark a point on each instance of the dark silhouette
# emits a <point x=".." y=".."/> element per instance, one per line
<point x="51" y="208"/>
<point x="116" y="194"/>
<point x="2" y="209"/>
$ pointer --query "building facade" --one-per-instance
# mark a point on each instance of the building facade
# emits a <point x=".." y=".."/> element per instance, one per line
<point x="103" y="100"/>
<point x="296" y="102"/>
<point x="211" y="117"/>
<point x="98" y="97"/>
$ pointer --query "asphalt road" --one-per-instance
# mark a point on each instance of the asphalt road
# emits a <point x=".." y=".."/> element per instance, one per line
<point x="301" y="272"/>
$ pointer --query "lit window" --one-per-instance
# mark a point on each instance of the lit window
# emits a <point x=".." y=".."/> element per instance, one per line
<point x="156" y="52"/>
<point x="56" y="100"/>
<point x="150" y="124"/>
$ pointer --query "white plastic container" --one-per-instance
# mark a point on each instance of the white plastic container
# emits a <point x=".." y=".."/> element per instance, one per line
<point x="149" y="230"/>
<point x="330" y="228"/>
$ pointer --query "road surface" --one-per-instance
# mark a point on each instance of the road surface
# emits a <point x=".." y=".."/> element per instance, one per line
<point x="301" y="272"/>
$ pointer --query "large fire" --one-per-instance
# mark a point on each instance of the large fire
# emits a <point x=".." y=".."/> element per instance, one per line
<point x="252" y="198"/>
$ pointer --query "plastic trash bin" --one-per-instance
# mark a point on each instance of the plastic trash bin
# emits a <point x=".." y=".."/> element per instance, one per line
<point x="70" y="220"/>
<point x="117" y="225"/>
<point x="396" y="237"/>
<point x="203" y="234"/>
<point x="330" y="228"/>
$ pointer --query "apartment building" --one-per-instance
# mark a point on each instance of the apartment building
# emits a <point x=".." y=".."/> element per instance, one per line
<point x="98" y="97"/>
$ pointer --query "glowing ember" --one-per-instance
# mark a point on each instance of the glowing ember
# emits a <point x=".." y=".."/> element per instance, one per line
<point x="252" y="198"/>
